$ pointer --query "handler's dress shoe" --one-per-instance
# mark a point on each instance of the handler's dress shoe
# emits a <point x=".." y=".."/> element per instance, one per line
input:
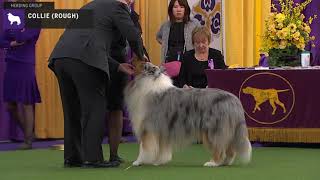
<point x="25" y="146"/>
<point x="71" y="164"/>
<point x="104" y="164"/>
<point x="116" y="158"/>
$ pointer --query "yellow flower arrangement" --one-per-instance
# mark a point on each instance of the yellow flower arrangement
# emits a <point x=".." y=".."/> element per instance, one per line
<point x="287" y="29"/>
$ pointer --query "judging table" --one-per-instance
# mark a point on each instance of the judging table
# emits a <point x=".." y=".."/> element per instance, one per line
<point x="281" y="105"/>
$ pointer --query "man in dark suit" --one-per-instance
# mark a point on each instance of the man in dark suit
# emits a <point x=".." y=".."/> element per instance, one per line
<point x="81" y="61"/>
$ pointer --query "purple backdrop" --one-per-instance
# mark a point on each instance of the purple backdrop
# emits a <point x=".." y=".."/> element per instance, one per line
<point x="313" y="8"/>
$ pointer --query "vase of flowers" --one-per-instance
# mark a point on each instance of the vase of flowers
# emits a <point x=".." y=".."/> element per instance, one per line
<point x="287" y="33"/>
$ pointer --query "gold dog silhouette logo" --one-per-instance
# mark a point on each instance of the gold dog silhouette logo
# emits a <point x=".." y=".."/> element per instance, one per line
<point x="262" y="95"/>
<point x="267" y="98"/>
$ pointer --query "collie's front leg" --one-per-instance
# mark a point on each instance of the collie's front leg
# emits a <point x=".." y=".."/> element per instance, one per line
<point x="149" y="148"/>
<point x="138" y="162"/>
<point x="165" y="154"/>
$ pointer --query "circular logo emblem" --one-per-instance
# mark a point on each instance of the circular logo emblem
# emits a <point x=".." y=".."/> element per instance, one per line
<point x="267" y="98"/>
<point x="208" y="13"/>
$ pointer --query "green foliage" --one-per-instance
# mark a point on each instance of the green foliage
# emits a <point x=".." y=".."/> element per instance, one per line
<point x="289" y="56"/>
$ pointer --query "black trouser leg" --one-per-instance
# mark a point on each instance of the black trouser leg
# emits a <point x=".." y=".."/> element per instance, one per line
<point x="89" y="83"/>
<point x="72" y="114"/>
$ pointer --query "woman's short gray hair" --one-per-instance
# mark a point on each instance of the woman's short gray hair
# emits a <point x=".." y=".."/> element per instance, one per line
<point x="200" y="32"/>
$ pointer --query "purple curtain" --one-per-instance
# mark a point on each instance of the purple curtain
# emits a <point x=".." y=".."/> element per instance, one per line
<point x="8" y="129"/>
<point x="312" y="8"/>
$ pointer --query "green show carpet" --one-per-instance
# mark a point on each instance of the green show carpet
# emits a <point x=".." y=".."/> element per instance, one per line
<point x="267" y="164"/>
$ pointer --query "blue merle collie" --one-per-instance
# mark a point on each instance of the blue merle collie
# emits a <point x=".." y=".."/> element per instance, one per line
<point x="165" y="117"/>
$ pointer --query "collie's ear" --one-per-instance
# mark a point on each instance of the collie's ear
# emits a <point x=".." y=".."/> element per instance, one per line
<point x="147" y="66"/>
<point x="139" y="65"/>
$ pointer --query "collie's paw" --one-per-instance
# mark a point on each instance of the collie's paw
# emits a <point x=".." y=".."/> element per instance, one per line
<point x="211" y="164"/>
<point x="159" y="163"/>
<point x="162" y="161"/>
<point x="228" y="162"/>
<point x="136" y="163"/>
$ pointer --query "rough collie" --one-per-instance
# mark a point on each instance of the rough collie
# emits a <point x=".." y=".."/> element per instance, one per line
<point x="165" y="117"/>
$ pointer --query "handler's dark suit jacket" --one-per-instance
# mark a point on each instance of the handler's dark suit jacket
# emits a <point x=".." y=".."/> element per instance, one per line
<point x="92" y="45"/>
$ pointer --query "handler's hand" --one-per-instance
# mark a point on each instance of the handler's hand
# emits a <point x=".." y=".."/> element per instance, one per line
<point x="186" y="86"/>
<point x="15" y="43"/>
<point x="126" y="68"/>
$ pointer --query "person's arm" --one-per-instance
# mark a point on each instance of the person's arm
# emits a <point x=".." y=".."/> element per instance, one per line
<point x="135" y="18"/>
<point x="27" y="34"/>
<point x="125" y="25"/>
<point x="159" y="34"/>
<point x="4" y="43"/>
<point x="218" y="60"/>
<point x="183" y="71"/>
<point x="113" y="64"/>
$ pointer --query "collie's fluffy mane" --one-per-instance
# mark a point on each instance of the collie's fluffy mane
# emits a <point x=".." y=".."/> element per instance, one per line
<point x="151" y="80"/>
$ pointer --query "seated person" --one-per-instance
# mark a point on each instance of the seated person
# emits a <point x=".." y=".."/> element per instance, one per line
<point x="196" y="61"/>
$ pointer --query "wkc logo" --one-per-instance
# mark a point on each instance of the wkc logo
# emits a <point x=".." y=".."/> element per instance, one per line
<point x="13" y="19"/>
<point x="208" y="13"/>
<point x="267" y="98"/>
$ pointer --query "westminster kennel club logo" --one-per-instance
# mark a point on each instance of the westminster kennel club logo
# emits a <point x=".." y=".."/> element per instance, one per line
<point x="267" y="98"/>
<point x="208" y="13"/>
